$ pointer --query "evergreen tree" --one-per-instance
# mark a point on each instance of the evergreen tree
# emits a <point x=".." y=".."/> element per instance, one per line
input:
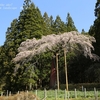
<point x="26" y="4"/>
<point x="51" y="24"/>
<point x="10" y="50"/>
<point x="2" y="66"/>
<point x="11" y="39"/>
<point x="59" y="26"/>
<point x="91" y="30"/>
<point x="70" y="23"/>
<point x="83" y="32"/>
<point x="95" y="29"/>
<point x="29" y="24"/>
<point x="51" y="21"/>
<point x="47" y="22"/>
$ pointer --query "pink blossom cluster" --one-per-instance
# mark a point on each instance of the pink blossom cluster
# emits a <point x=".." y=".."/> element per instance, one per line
<point x="68" y="40"/>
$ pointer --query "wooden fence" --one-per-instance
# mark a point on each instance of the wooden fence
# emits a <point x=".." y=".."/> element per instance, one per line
<point x="61" y="94"/>
<point x="66" y="95"/>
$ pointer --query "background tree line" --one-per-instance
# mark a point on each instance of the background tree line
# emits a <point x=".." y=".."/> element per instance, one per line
<point x="31" y="23"/>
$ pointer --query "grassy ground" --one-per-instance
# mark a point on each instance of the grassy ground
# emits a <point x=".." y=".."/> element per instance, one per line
<point x="24" y="96"/>
<point x="75" y="99"/>
<point x="21" y="96"/>
<point x="61" y="94"/>
<point x="55" y="95"/>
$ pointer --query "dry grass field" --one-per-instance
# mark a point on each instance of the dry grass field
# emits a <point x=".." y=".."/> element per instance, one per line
<point x="21" y="96"/>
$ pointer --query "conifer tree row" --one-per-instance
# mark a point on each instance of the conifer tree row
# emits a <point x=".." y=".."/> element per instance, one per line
<point x="95" y="28"/>
<point x="28" y="25"/>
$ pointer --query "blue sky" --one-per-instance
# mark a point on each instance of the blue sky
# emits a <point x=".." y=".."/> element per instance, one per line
<point x="81" y="11"/>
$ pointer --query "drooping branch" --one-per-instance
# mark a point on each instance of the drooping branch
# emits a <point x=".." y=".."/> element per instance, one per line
<point x="68" y="40"/>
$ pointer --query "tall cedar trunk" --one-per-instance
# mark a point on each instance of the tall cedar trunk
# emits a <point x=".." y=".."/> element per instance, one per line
<point x="53" y="74"/>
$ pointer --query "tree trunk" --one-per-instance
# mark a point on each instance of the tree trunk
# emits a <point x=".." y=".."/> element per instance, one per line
<point x="66" y="69"/>
<point x="57" y="71"/>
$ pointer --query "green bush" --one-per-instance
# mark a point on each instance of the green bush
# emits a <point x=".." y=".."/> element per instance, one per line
<point x="88" y="86"/>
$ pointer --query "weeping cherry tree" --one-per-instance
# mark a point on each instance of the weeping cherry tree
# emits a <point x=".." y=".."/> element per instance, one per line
<point x="69" y="41"/>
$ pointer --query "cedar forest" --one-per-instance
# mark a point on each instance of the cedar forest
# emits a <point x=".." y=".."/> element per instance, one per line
<point x="32" y="24"/>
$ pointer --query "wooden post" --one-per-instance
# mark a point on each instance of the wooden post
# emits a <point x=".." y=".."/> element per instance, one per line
<point x="82" y="88"/>
<point x="36" y="92"/>
<point x="75" y="93"/>
<point x="66" y="69"/>
<point x="57" y="71"/>
<point x="85" y="92"/>
<point x="18" y="92"/>
<point x="45" y="95"/>
<point x="7" y="93"/>
<point x="95" y="94"/>
<point x="55" y="94"/>
<point x="26" y="95"/>
<point x="65" y="95"/>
